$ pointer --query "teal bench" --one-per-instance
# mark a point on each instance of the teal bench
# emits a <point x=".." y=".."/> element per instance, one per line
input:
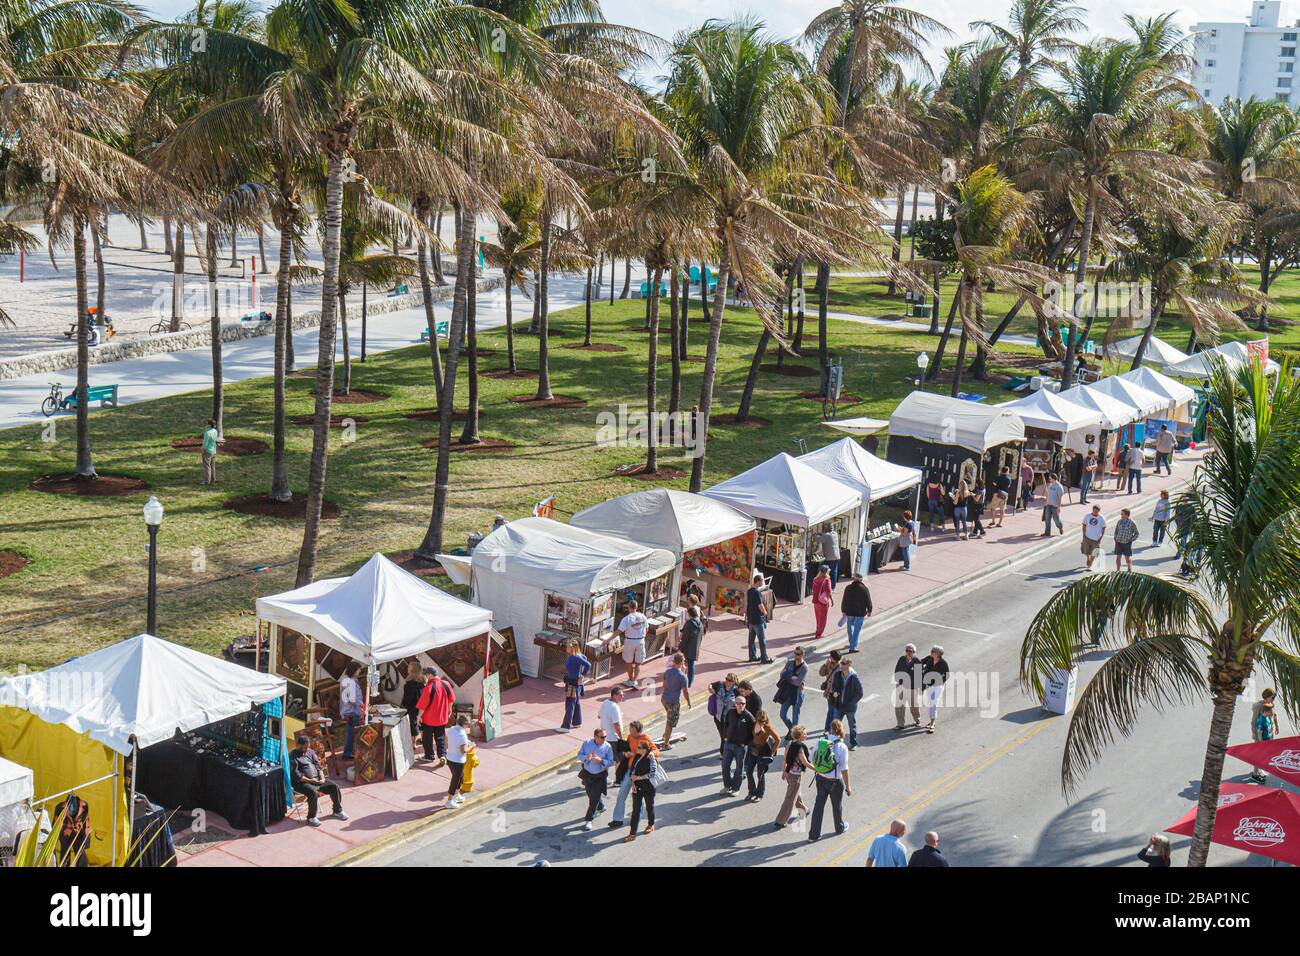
<point x="442" y="328"/>
<point x="106" y="395"/>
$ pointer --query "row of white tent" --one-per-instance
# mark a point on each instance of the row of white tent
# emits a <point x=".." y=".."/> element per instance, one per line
<point x="1173" y="361"/>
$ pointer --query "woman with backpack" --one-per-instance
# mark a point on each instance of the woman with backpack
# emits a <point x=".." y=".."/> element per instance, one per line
<point x="831" y="764"/>
<point x="759" y="757"/>
<point x="642" y="771"/>
<point x="821" y="597"/>
<point x="792" y="772"/>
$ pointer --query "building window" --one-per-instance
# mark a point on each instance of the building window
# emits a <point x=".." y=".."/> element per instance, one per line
<point x="1214" y="33"/>
<point x="1209" y="64"/>
<point x="1288" y="51"/>
<point x="1288" y="38"/>
<point x="1206" y="93"/>
<point x="1282" y="97"/>
<point x="1286" y="67"/>
<point x="1284" y="82"/>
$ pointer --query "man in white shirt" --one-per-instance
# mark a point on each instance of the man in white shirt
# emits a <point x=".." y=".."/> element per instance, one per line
<point x="832" y="785"/>
<point x="1135" y="459"/>
<point x="611" y="714"/>
<point x="633" y="627"/>
<point x="1052" y="510"/>
<point x="1094" y="529"/>
<point x="1165" y="450"/>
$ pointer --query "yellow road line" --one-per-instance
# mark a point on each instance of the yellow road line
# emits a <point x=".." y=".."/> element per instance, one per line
<point x="927" y="795"/>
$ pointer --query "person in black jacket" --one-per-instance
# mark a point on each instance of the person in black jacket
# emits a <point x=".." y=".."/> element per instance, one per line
<point x="855" y="605"/>
<point x="928" y="855"/>
<point x="907" y="686"/>
<point x="411" y="692"/>
<point x="934" y="674"/>
<point x="1156" y="852"/>
<point x="846" y="686"/>
<point x="692" y="638"/>
<point x="737" y="735"/>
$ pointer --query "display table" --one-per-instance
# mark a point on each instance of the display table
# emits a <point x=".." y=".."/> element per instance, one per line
<point x="883" y="550"/>
<point x="248" y="791"/>
<point x="791" y="586"/>
<point x="151" y="837"/>
<point x="661" y="633"/>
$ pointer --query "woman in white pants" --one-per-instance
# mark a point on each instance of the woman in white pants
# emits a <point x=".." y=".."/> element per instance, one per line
<point x="934" y="674"/>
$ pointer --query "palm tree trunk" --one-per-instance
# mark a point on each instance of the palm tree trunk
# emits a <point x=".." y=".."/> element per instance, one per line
<point x="324" y="366"/>
<point x="280" y="490"/>
<point x="536" y="322"/>
<point x="674" y="319"/>
<point x="961" y="343"/>
<point x="652" y="375"/>
<point x="1207" y="801"/>
<point x="214" y="325"/>
<point x="586" y="301"/>
<point x="612" y="264"/>
<point x="437" y="253"/>
<point x="144" y="236"/>
<point x="289" y="357"/>
<point x="98" y="247"/>
<point x="686" y="309"/>
<point x="897" y="251"/>
<point x="85" y="464"/>
<point x="847" y="85"/>
<point x="937" y="362"/>
<point x="627" y="279"/>
<point x="1080" y="277"/>
<point x="1157" y="310"/>
<point x="600" y="272"/>
<point x="178" y="278"/>
<point x="347" y="345"/>
<point x="823" y="296"/>
<point x="751" y="380"/>
<point x="432" y="543"/>
<point x="543" y="337"/>
<point x="261" y="249"/>
<point x="234" y="246"/>
<point x="510" y="328"/>
<point x="704" y="291"/>
<point x="469" y="434"/>
<point x="979" y="368"/>
<point x="167" y="237"/>
<point x="430" y="319"/>
<point x="1265" y="280"/>
<point x="711" y="363"/>
<point x="797" y="344"/>
<point x="911" y="228"/>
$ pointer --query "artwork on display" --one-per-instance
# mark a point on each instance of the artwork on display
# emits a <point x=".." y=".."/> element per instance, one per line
<point x="369" y="754"/>
<point x="783" y="550"/>
<point x="461" y="660"/>
<point x="505" y="660"/>
<point x="656" y="595"/>
<point x="403" y="750"/>
<point x="563" y="615"/>
<point x="292" y="659"/>
<point x="602" y="607"/>
<point x="732" y="559"/>
<point x="730" y="600"/>
<point x="491" y="707"/>
<point x="1039" y="459"/>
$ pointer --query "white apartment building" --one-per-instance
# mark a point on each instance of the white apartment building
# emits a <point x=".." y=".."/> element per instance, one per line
<point x="1245" y="59"/>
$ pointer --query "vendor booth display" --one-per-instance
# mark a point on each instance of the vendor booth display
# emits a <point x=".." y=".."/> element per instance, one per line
<point x="382" y="617"/>
<point x="1158" y="352"/>
<point x="1058" y="433"/>
<point x="553" y="582"/>
<point x="90" y="728"/>
<point x="954" y="440"/>
<point x="17" y="817"/>
<point x="794" y="505"/>
<point x="713" y="542"/>
<point x="1117" y="425"/>
<point x="1232" y="355"/>
<point x="1178" y="398"/>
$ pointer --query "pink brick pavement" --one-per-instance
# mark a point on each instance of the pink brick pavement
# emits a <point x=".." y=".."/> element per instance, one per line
<point x="531" y="713"/>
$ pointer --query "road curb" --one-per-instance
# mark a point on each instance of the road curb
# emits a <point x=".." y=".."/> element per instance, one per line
<point x="408" y="832"/>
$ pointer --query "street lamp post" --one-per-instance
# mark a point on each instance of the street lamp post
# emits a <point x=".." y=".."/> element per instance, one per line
<point x="922" y="363"/>
<point x="153" y="515"/>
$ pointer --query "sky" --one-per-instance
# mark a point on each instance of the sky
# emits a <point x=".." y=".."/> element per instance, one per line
<point x="787" y="18"/>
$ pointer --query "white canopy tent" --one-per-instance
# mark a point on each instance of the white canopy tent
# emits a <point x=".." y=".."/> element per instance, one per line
<point x="17" y="788"/>
<point x="1050" y="412"/>
<point x="1176" y="395"/>
<point x="1115" y="414"/>
<point x="788" y="491"/>
<point x="677" y="521"/>
<point x="951" y="421"/>
<point x="380" y="614"/>
<point x="1233" y="355"/>
<point x="1158" y="352"/>
<point x="515" y="566"/>
<point x="847" y="461"/>
<point x="858" y="426"/>
<point x="1142" y="400"/>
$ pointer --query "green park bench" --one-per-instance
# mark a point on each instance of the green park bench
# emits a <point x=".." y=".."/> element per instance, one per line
<point x="442" y="328"/>
<point x="106" y="395"/>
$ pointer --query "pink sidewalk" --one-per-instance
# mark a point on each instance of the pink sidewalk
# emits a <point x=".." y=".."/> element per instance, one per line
<point x="531" y="712"/>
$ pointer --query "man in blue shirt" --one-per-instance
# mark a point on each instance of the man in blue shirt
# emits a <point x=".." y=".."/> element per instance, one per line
<point x="676" y="685"/>
<point x="887" y="849"/>
<point x="596" y="757"/>
<point x="756" y="621"/>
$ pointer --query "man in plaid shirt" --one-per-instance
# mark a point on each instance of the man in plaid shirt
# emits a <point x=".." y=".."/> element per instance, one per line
<point x="1126" y="532"/>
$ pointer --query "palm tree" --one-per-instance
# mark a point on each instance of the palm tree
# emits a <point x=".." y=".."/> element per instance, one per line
<point x="1036" y="34"/>
<point x="514" y="252"/>
<point x="1175" y="641"/>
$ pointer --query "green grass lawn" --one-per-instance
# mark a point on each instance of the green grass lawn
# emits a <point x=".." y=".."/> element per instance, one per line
<point x="85" y="586"/>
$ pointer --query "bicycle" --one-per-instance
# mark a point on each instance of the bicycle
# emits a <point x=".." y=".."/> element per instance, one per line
<point x="54" y="401"/>
<point x="165" y="325"/>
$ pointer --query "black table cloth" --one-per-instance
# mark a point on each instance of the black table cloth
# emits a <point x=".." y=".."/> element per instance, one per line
<point x="250" y="797"/>
<point x="151" y="837"/>
<point x="883" y="551"/>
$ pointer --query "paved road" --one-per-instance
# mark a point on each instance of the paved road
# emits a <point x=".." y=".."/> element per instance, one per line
<point x="987" y="780"/>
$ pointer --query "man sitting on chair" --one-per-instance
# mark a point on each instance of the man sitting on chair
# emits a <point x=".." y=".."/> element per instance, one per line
<point x="309" y="779"/>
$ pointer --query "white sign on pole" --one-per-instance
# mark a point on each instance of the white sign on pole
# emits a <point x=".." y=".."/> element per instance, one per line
<point x="1060" y="690"/>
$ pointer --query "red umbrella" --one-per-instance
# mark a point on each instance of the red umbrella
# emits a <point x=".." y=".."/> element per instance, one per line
<point x="1280" y="757"/>
<point x="1256" y="819"/>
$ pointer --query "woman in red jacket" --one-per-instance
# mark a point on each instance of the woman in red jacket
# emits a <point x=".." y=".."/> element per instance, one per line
<point x="821" y="596"/>
<point x="435" y="715"/>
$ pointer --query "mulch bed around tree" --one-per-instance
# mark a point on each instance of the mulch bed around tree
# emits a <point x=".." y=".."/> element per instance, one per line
<point x="267" y="507"/>
<point x="794" y="371"/>
<point x="464" y="353"/>
<point x="753" y="421"/>
<point x="595" y="347"/>
<point x="638" y="472"/>
<point x="555" y="401"/>
<point x="431" y="414"/>
<point x="358" y="396"/>
<point x="506" y="373"/>
<point x="484" y="444"/>
<point x="11" y="562"/>
<point x="406" y="561"/>
<point x="105" y="486"/>
<point x="236" y="447"/>
<point x="336" y="421"/>
<point x="845" y="398"/>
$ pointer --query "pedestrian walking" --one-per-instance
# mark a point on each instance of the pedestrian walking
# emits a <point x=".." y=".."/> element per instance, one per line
<point x="975" y="505"/>
<point x="1094" y="529"/>
<point x="1266" y="722"/>
<point x="762" y="748"/>
<point x="1126" y="532"/>
<point x="610" y="715"/>
<point x="908" y="533"/>
<point x="630" y="753"/>
<point x="793" y="769"/>
<point x="459" y="752"/>
<point x="675" y="690"/>
<point x="821" y="598"/>
<point x="1026" y="484"/>
<point x="935" y="493"/>
<point x="928" y="856"/>
<point x="633" y="627"/>
<point x="1165" y="444"/>
<point x="211" y="438"/>
<point x="576" y="669"/>
<point x="756" y="621"/>
<point x="831" y="769"/>
<point x="934" y="675"/>
<point x="830" y="667"/>
<point x="789" y="689"/>
<point x="642" y="772"/>
<point x="596" y="757"/>
<point x="1135" y="459"/>
<point x="692" y="639"/>
<point x="847" y="686"/>
<point x="412" y="688"/>
<point x="959" y="499"/>
<point x="887" y="850"/>
<point x="752" y="698"/>
<point x="855" y="608"/>
<point x="737" y="736"/>
<point x="907" y="687"/>
<point x="1086" y="476"/>
<point x="829" y="541"/>
<point x="722" y="694"/>
<point x="350" y="706"/>
<point x="1156" y="852"/>
<point x="1001" y="495"/>
<point x="1055" y="492"/>
<point x="1160" y="517"/>
<point x="1266" y="699"/>
<point x="435" y="705"/>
